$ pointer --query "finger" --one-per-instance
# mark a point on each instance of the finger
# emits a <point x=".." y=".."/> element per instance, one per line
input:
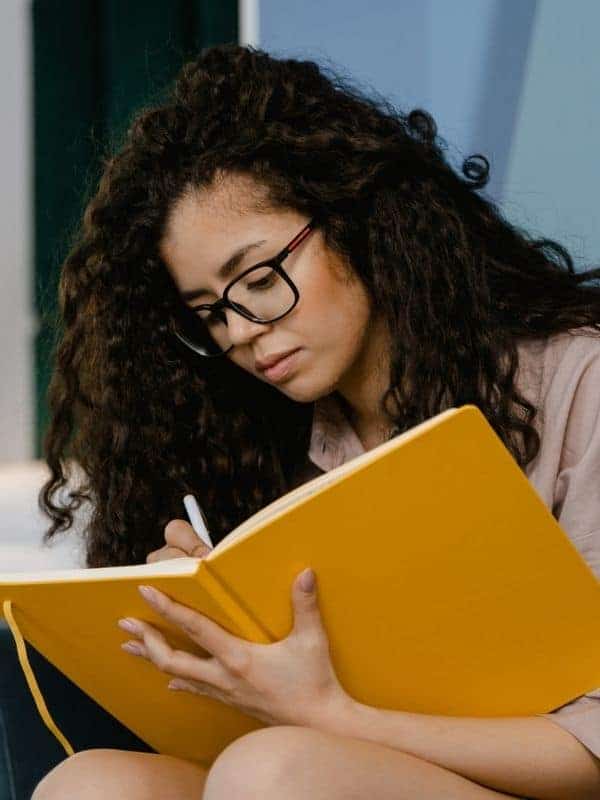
<point x="194" y="687"/>
<point x="165" y="553"/>
<point x="153" y="646"/>
<point x="135" y="647"/>
<point x="179" y="533"/>
<point x="231" y="651"/>
<point x="307" y="616"/>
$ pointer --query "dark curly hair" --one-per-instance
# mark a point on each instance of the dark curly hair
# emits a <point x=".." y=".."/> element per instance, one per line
<point x="144" y="420"/>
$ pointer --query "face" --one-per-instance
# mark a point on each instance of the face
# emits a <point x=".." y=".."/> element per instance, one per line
<point x="328" y="328"/>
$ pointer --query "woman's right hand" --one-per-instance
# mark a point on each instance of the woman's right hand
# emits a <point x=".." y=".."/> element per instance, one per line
<point x="182" y="541"/>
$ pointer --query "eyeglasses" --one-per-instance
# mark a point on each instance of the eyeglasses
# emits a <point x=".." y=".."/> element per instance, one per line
<point x="263" y="293"/>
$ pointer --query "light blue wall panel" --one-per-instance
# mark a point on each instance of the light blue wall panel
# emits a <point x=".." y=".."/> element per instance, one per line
<point x="463" y="60"/>
<point x="553" y="180"/>
<point x="478" y="52"/>
<point x="516" y="80"/>
<point x="383" y="44"/>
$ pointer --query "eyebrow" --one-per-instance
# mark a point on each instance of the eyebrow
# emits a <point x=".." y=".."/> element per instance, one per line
<point x="226" y="269"/>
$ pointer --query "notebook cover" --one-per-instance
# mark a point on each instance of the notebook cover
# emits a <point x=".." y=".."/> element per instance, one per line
<point x="446" y="585"/>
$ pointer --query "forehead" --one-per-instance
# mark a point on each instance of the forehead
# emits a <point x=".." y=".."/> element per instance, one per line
<point x="206" y="225"/>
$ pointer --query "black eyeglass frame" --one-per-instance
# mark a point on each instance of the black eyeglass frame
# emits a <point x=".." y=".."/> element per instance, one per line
<point x="224" y="302"/>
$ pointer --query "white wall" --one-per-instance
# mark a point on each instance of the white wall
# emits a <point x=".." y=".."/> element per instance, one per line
<point x="248" y="22"/>
<point x="16" y="301"/>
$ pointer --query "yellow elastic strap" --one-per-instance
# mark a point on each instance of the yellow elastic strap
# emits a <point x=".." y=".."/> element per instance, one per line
<point x="31" y="681"/>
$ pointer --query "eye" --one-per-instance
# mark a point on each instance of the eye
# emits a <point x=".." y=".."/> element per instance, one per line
<point x="264" y="282"/>
<point x="211" y="316"/>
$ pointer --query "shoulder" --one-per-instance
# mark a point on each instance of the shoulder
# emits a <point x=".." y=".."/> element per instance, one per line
<point x="559" y="367"/>
<point x="560" y="375"/>
<point x="565" y="368"/>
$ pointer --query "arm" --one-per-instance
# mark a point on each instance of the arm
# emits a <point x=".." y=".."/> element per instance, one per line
<point x="526" y="756"/>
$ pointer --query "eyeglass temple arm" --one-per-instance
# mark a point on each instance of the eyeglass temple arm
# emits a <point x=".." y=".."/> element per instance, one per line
<point x="297" y="240"/>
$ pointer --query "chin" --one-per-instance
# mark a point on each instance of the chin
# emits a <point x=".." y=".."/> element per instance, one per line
<point x="299" y="395"/>
<point x="305" y="393"/>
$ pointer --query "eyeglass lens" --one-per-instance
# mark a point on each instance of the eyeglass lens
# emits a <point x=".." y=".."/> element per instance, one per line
<point x="262" y="293"/>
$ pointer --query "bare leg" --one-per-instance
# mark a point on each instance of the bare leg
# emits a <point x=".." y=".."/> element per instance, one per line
<point x="298" y="763"/>
<point x="103" y="774"/>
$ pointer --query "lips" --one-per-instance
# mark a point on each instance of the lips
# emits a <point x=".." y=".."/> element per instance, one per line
<point x="283" y="367"/>
<point x="267" y="363"/>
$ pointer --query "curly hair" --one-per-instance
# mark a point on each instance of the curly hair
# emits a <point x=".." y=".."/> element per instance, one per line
<point x="146" y="420"/>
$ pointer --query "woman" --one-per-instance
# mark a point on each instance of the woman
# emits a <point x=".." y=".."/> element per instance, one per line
<point x="392" y="291"/>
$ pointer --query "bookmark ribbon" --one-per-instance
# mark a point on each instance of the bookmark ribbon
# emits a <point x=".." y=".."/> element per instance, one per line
<point x="31" y="681"/>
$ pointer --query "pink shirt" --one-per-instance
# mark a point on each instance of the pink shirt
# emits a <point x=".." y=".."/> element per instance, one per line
<point x="561" y="377"/>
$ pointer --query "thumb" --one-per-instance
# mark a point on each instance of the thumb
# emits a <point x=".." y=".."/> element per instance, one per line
<point x="305" y="602"/>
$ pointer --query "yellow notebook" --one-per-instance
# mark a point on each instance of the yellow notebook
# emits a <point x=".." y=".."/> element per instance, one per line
<point x="445" y="584"/>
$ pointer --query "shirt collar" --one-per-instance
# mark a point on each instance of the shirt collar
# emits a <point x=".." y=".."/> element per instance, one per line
<point x="333" y="440"/>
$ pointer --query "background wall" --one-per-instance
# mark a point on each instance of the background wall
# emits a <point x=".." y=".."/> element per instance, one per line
<point x="94" y="65"/>
<point x="463" y="61"/>
<point x="517" y="80"/>
<point x="514" y="79"/>
<point x="553" y="174"/>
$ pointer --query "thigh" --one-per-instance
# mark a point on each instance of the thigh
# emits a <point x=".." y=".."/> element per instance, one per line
<point x="303" y="763"/>
<point x="105" y="773"/>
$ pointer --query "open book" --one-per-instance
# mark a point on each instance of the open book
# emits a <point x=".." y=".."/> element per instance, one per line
<point x="445" y="584"/>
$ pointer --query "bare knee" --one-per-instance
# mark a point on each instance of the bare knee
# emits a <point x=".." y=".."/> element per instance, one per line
<point x="261" y="763"/>
<point x="71" y="774"/>
<point x="102" y="773"/>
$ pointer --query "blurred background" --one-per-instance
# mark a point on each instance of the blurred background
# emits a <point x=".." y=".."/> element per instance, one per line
<point x="515" y="80"/>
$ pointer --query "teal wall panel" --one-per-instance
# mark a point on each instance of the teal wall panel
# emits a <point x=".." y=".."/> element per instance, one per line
<point x="95" y="63"/>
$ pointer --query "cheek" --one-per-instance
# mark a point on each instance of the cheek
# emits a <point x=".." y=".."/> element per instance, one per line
<point x="323" y="311"/>
<point x="342" y="313"/>
<point x="246" y="363"/>
<point x="329" y="321"/>
<point x="332" y="326"/>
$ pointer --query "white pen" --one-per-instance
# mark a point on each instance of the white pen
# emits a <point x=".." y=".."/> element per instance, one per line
<point x="196" y="518"/>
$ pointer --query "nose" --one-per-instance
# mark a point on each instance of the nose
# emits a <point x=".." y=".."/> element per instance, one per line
<point x="242" y="330"/>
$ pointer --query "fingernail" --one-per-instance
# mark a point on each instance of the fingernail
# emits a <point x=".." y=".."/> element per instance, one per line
<point x="132" y="647"/>
<point x="129" y="625"/>
<point x="149" y="593"/>
<point x="307" y="580"/>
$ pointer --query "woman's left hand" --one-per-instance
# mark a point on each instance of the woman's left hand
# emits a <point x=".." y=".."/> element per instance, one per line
<point x="291" y="681"/>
